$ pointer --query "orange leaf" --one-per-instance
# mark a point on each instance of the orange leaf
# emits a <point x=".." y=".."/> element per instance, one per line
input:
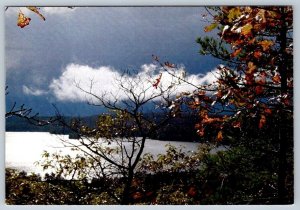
<point x="23" y="20"/>
<point x="266" y="44"/>
<point x="276" y="79"/>
<point x="209" y="120"/>
<point x="262" y="121"/>
<point x="219" y="136"/>
<point x="252" y="41"/>
<point x="236" y="52"/>
<point x="36" y="10"/>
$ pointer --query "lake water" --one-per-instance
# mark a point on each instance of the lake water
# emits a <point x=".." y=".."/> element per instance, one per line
<point x="23" y="149"/>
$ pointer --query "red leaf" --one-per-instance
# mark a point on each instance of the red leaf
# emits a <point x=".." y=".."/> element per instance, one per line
<point x="262" y="78"/>
<point x="259" y="90"/>
<point x="236" y="124"/>
<point x="200" y="130"/>
<point x="257" y="54"/>
<point x="148" y="194"/>
<point x="268" y="111"/>
<point x="170" y="65"/>
<point x="262" y="121"/>
<point x="157" y="81"/>
<point x="192" y="192"/>
<point x="249" y="79"/>
<point x="137" y="195"/>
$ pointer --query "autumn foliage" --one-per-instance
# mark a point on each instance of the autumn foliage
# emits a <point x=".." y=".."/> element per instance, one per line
<point x="250" y="104"/>
<point x="257" y="78"/>
<point x="248" y="108"/>
<point x="23" y="20"/>
<point x="255" y="84"/>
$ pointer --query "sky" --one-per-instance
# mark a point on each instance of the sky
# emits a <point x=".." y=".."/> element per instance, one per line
<point x="47" y="59"/>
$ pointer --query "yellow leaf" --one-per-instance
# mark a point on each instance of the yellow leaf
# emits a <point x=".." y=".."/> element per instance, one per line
<point x="260" y="16"/>
<point x="273" y="14"/>
<point x="251" y="68"/>
<point x="234" y="13"/>
<point x="210" y="27"/>
<point x="246" y="29"/>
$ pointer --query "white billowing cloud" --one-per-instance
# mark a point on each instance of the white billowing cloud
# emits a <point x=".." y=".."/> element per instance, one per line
<point x="66" y="87"/>
<point x="148" y="68"/>
<point x="34" y="92"/>
<point x="58" y="10"/>
<point x="76" y="80"/>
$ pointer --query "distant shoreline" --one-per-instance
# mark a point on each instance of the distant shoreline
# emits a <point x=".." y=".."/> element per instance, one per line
<point x="46" y="132"/>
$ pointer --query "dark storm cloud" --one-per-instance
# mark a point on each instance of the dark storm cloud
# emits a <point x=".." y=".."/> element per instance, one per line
<point x="121" y="37"/>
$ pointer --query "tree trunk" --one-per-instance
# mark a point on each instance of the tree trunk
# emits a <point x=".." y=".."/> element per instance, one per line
<point x="126" y="199"/>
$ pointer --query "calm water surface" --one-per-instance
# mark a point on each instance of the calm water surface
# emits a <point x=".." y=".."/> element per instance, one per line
<point x="23" y="149"/>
